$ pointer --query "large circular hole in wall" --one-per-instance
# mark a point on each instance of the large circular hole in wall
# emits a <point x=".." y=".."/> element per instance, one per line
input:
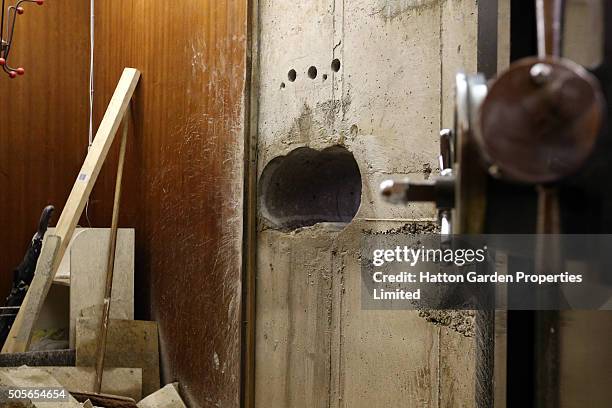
<point x="308" y="186"/>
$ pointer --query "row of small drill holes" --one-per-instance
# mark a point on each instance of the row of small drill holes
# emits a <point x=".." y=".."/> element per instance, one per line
<point x="312" y="72"/>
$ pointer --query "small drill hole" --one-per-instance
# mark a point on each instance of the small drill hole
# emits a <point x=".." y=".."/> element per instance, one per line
<point x="312" y="72"/>
<point x="292" y="75"/>
<point x="335" y="65"/>
<point x="324" y="77"/>
<point x="282" y="85"/>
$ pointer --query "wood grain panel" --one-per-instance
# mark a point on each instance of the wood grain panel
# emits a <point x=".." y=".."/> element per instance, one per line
<point x="43" y="122"/>
<point x="184" y="169"/>
<point x="184" y="178"/>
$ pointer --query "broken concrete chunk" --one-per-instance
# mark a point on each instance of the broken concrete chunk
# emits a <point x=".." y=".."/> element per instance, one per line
<point x="125" y="382"/>
<point x="28" y="377"/>
<point x="167" y="397"/>
<point x="105" y="400"/>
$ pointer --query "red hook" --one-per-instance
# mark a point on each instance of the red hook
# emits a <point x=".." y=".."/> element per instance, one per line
<point x="6" y="43"/>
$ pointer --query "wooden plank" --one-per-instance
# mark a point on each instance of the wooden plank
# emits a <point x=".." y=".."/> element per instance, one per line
<point x="19" y="337"/>
<point x="130" y="343"/>
<point x="110" y="266"/>
<point x="95" y="158"/>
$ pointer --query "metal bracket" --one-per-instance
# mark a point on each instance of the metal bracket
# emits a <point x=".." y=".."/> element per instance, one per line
<point x="7" y="32"/>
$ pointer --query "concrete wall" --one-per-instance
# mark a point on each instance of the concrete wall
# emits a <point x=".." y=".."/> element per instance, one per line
<point x="315" y="346"/>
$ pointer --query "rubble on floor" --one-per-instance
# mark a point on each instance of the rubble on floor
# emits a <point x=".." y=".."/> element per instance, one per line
<point x="121" y="387"/>
<point x="167" y="397"/>
<point x="65" y="350"/>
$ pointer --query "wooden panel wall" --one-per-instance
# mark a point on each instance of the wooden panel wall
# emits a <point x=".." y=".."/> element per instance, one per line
<point x="184" y="170"/>
<point x="43" y="122"/>
<point x="184" y="180"/>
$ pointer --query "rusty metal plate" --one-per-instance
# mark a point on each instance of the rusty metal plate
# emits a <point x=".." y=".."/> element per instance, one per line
<point x="540" y="120"/>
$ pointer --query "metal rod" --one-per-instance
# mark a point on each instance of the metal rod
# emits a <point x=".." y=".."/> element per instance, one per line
<point x="549" y="14"/>
<point x="2" y="26"/>
<point x="549" y="20"/>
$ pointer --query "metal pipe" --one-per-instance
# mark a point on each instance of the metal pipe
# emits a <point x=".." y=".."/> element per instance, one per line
<point x="549" y="14"/>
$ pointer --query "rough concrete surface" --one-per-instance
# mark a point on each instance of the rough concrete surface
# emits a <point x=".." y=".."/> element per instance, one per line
<point x="461" y="321"/>
<point x="384" y="100"/>
<point x="126" y="382"/>
<point x="28" y="377"/>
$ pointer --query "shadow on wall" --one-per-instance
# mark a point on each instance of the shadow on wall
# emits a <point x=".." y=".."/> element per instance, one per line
<point x="308" y="186"/>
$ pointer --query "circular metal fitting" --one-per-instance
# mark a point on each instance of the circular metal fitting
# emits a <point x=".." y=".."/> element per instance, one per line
<point x="540" y="73"/>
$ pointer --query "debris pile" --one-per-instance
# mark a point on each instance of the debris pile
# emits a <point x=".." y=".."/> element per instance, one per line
<point x="59" y="367"/>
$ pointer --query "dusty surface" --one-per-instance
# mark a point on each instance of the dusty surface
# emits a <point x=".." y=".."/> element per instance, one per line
<point x="28" y="377"/>
<point x="130" y="343"/>
<point x="126" y="382"/>
<point x="166" y="397"/>
<point x="183" y="179"/>
<point x="417" y="227"/>
<point x="385" y="100"/>
<point x="461" y="321"/>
